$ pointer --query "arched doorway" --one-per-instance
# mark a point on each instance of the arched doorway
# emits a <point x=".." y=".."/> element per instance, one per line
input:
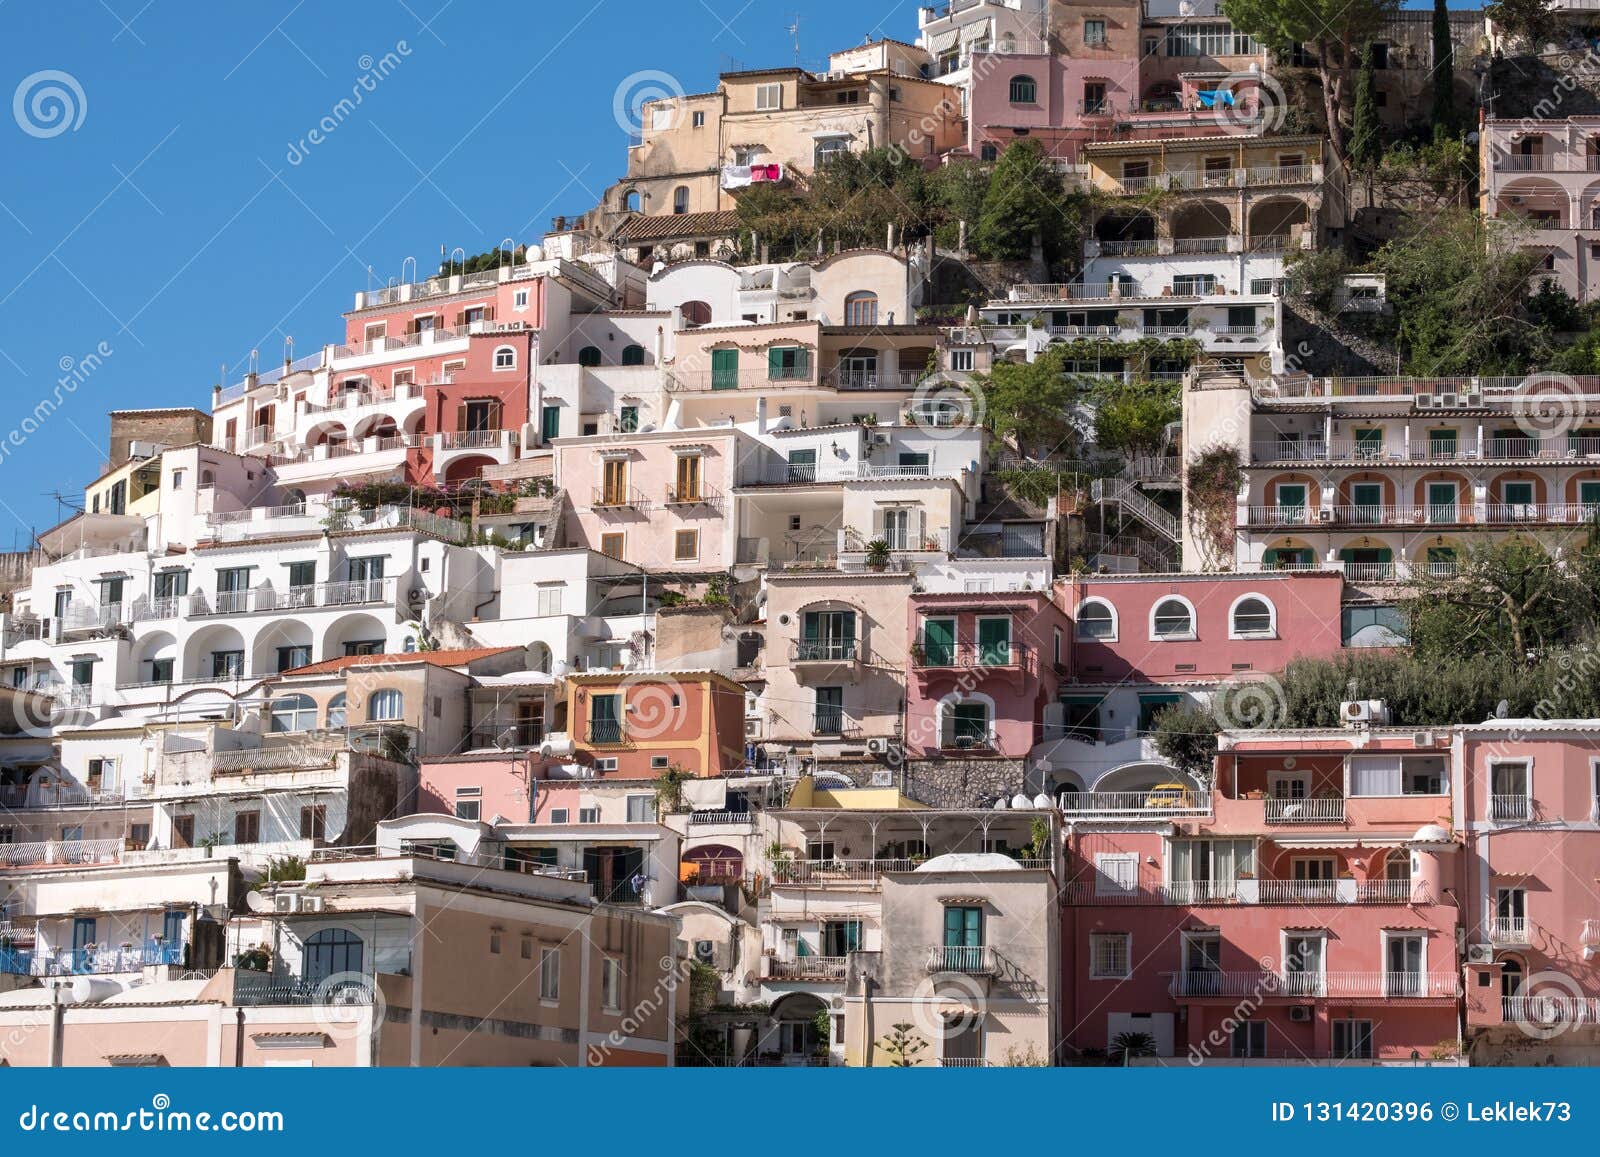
<point x="795" y="1039"/>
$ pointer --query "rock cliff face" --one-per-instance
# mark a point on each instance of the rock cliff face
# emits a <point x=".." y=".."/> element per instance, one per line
<point x="1318" y="344"/>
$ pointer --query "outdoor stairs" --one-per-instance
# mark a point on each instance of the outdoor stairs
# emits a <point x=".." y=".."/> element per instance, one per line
<point x="1125" y="493"/>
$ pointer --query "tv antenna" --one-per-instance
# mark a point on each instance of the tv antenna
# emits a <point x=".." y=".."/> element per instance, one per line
<point x="794" y="31"/>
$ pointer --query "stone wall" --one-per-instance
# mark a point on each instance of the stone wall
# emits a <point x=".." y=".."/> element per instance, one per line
<point x="181" y="427"/>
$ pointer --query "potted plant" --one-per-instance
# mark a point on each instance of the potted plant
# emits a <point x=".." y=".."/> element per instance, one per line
<point x="878" y="554"/>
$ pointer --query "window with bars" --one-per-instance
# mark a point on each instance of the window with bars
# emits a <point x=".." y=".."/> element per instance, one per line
<point x="1109" y="955"/>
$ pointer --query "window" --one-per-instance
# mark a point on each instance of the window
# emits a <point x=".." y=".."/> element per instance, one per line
<point x="686" y="545"/>
<point x="988" y="151"/>
<point x="695" y="314"/>
<point x="611" y="545"/>
<point x="641" y="809"/>
<point x="385" y="706"/>
<point x="247" y="828"/>
<point x="227" y="664"/>
<point x="967" y="726"/>
<point x="611" y="984"/>
<point x="633" y="355"/>
<point x="1094" y="32"/>
<point x="697" y="119"/>
<point x="960" y="361"/>
<point x="1394" y="775"/>
<point x="469" y="803"/>
<point x="1508" y="786"/>
<point x="840" y="937"/>
<point x="1110" y="955"/>
<point x="1352" y="1039"/>
<point x="861" y="308"/>
<point x="293" y="713"/>
<point x="588" y="815"/>
<point x="291" y="657"/>
<point x="329" y="953"/>
<point x="769" y="97"/>
<point x="1172" y="618"/>
<point x="1250" y="1039"/>
<point x="560" y="815"/>
<point x="336" y="711"/>
<point x="628" y="419"/>
<point x="680" y="200"/>
<point x="550" y="974"/>
<point x="1024" y="90"/>
<point x="314" y="822"/>
<point x="687" y="486"/>
<point x="1209" y="869"/>
<point x="1097" y="619"/>
<point x="519" y="299"/>
<point x="589" y="356"/>
<point x="505" y="358"/>
<point x="1252" y="617"/>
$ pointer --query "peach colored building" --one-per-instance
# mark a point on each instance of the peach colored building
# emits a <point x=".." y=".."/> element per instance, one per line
<point x="637" y="724"/>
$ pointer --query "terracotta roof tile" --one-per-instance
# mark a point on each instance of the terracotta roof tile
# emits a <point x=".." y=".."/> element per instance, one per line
<point x="432" y="658"/>
<point x="677" y="225"/>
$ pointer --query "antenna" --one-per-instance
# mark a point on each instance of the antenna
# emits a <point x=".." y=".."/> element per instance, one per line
<point x="794" y="31"/>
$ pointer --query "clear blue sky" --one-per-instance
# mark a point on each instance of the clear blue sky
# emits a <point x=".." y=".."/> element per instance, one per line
<point x="172" y="225"/>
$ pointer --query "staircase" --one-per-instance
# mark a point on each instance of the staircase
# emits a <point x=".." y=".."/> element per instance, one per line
<point x="1126" y="494"/>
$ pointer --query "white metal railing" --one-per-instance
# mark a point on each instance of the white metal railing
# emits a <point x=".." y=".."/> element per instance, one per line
<point x="1552" y="1010"/>
<point x="1096" y="892"/>
<point x="972" y="959"/>
<point x="1509" y="929"/>
<point x="1304" y="811"/>
<point x="703" y="819"/>
<point x="471" y="440"/>
<point x="1510" y="808"/>
<point x="251" y="514"/>
<point x="337" y="594"/>
<point x="1385" y="985"/>
<point x="1134" y="804"/>
<point x="1297" y="891"/>
<point x="836" y="873"/>
<point x="61" y="852"/>
<point x="806" y="967"/>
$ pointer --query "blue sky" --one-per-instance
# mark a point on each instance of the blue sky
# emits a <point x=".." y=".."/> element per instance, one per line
<point x="185" y="219"/>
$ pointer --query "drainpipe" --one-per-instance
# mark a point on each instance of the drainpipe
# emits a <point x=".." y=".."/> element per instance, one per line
<point x="58" y="1016"/>
<point x="238" y="1038"/>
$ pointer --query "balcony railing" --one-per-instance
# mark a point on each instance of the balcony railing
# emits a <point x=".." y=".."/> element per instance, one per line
<point x="266" y="989"/>
<point x="1510" y="808"/>
<point x="806" y="968"/>
<point x="719" y="818"/>
<point x="27" y="855"/>
<point x="1551" y="1010"/>
<point x="89" y="961"/>
<point x="969" y="655"/>
<point x="1434" y="514"/>
<point x="1509" y="930"/>
<point x="970" y="959"/>
<point x="969" y="738"/>
<point x="836" y="873"/>
<point x="694" y="496"/>
<point x="963" y="1063"/>
<point x="1304" y="811"/>
<point x="631" y="498"/>
<point x="825" y="651"/>
<point x="615" y="892"/>
<point x="607" y="732"/>
<point x="1094" y="805"/>
<point x="359" y="592"/>
<point x="471" y="440"/>
<point x="1337" y="985"/>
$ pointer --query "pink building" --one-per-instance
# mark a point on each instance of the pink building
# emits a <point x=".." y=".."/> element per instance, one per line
<point x="983" y="669"/>
<point x="1303" y="909"/>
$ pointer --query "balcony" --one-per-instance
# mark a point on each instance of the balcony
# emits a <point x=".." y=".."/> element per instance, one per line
<point x="833" y="723"/>
<point x="1133" y="805"/>
<point x="718" y="819"/>
<point x="505" y="736"/>
<point x="939" y="656"/>
<point x="266" y="989"/>
<point x="630" y="499"/>
<point x="109" y="959"/>
<point x="812" y="968"/>
<point x="615" y="892"/>
<point x="1510" y="809"/>
<point x="1509" y="931"/>
<point x="1437" y="514"/>
<point x="975" y="740"/>
<point x="826" y="660"/>
<point x="53" y="852"/>
<point x="1315" y="985"/>
<point x="317" y="596"/>
<point x="702" y="381"/>
<point x="606" y="733"/>
<point x="1305" y="811"/>
<point x="17" y="796"/>
<point x="1552" y="1011"/>
<point x="851" y="875"/>
<point x="858" y="379"/>
<point x="968" y="959"/>
<point x="700" y="496"/>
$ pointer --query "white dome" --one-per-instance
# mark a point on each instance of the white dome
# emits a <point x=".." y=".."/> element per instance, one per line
<point x="1431" y="834"/>
<point x="970" y="862"/>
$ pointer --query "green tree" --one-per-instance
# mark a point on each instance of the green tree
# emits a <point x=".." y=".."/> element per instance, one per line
<point x="1530" y="19"/>
<point x="1366" y="136"/>
<point x="1033" y="404"/>
<point x="1134" y="418"/>
<point x="1445" y="118"/>
<point x="1133" y="1044"/>
<point x="1026" y="200"/>
<point x="1333" y="29"/>
<point x="1186" y="737"/>
<point x="902" y="1046"/>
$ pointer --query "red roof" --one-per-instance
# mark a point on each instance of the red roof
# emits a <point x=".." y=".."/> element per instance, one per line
<point x="432" y="658"/>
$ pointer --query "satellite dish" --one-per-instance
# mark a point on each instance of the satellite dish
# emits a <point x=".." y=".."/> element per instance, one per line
<point x="1020" y="802"/>
<point x="1042" y="800"/>
<point x="1000" y="804"/>
<point x="256" y="902"/>
<point x="1502" y="709"/>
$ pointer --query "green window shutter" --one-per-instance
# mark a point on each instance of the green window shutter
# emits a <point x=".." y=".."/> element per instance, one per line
<point x="724" y="369"/>
<point x="938" y="642"/>
<point x="994" y="641"/>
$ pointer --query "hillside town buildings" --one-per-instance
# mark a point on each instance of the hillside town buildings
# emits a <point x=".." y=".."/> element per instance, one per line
<point x="638" y="652"/>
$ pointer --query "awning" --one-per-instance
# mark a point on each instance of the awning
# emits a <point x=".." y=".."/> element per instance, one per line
<point x="1320" y="842"/>
<point x="942" y="42"/>
<point x="974" y="32"/>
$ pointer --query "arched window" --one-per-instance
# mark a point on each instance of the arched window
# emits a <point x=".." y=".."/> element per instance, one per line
<point x="330" y="952"/>
<point x="695" y="313"/>
<point x="861" y="308"/>
<point x="589" y="355"/>
<point x="633" y="355"/>
<point x="385" y="705"/>
<point x="505" y="358"/>
<point x="293" y="713"/>
<point x="968" y="725"/>
<point x="1097" y="621"/>
<point x="630" y="201"/>
<point x="1172" y="618"/>
<point x="1252" y="617"/>
<point x="680" y="199"/>
<point x="1024" y="90"/>
<point x="336" y="712"/>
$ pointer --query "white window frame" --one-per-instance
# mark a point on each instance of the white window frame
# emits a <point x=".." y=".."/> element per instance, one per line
<point x="1285" y="935"/>
<point x="519" y="300"/>
<point x="769" y="98"/>
<point x="1101" y="859"/>
<point x="1494" y="762"/>
<point x="383" y="695"/>
<point x="550" y="975"/>
<point x="1194" y="621"/>
<point x="610" y="984"/>
<point x="1097" y="601"/>
<point x="510" y="353"/>
<point x="629" y="801"/>
<point x="1272" y="618"/>
<point x="589" y="815"/>
<point x="961" y="361"/>
<point x="1385" y="935"/>
<point x="1096" y="939"/>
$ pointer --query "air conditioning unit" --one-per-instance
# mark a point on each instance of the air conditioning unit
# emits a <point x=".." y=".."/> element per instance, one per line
<point x="1363" y="711"/>
<point x="1480" y="953"/>
<point x="1473" y="400"/>
<point x="878" y="746"/>
<point x="1300" y="1013"/>
<point x="1326" y="514"/>
<point x="1449" y="401"/>
<point x="1422" y="739"/>
<point x="880" y="439"/>
<point x="310" y="903"/>
<point x="284" y="903"/>
<point x="1424" y="401"/>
